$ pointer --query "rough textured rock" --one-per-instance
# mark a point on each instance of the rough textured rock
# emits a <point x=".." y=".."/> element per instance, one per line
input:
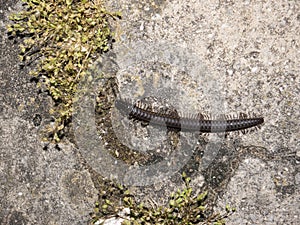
<point x="249" y="49"/>
<point x="38" y="185"/>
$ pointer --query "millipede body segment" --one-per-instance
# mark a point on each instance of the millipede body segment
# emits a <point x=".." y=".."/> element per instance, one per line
<point x="186" y="123"/>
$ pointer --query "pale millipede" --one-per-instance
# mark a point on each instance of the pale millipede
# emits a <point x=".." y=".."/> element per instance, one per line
<point x="190" y="123"/>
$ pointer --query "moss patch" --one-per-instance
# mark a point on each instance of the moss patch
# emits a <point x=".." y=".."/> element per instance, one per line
<point x="65" y="35"/>
<point x="184" y="208"/>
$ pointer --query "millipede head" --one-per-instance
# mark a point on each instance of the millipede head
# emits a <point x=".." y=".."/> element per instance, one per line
<point x="124" y="106"/>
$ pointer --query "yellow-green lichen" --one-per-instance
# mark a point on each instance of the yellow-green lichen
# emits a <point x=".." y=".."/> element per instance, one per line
<point x="64" y="34"/>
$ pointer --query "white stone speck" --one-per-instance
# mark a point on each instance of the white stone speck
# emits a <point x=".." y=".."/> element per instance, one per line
<point x="230" y="72"/>
<point x="142" y="27"/>
<point x="254" y="69"/>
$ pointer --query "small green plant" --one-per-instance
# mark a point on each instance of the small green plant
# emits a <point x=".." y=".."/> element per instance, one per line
<point x="65" y="35"/>
<point x="183" y="208"/>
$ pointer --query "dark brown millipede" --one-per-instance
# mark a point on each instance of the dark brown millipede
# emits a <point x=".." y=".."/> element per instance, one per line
<point x="187" y="123"/>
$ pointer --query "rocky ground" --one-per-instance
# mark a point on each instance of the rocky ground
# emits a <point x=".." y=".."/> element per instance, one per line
<point x="203" y="56"/>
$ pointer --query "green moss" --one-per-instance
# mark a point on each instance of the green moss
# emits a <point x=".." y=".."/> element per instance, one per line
<point x="65" y="34"/>
<point x="184" y="208"/>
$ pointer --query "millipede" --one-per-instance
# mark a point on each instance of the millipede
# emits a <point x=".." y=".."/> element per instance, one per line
<point x="190" y="123"/>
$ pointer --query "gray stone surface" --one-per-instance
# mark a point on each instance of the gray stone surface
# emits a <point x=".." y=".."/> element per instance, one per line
<point x="264" y="193"/>
<point x="250" y="47"/>
<point x="37" y="185"/>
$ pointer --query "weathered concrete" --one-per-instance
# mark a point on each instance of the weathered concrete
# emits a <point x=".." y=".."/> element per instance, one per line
<point x="37" y="185"/>
<point x="251" y="48"/>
